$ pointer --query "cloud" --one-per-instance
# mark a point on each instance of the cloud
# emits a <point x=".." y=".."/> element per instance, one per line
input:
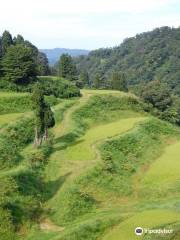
<point x="81" y="23"/>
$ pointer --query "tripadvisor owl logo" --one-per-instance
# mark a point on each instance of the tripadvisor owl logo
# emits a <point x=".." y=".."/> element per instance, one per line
<point x="139" y="231"/>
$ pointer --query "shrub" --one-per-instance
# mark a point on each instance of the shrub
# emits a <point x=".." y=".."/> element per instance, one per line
<point x="59" y="88"/>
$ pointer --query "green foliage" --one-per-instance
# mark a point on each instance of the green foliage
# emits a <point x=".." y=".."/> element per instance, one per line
<point x="43" y="67"/>
<point x="44" y="117"/>
<point x="18" y="65"/>
<point x="75" y="203"/>
<point x="83" y="80"/>
<point x="67" y="68"/>
<point x="158" y="95"/>
<point x="166" y="106"/>
<point x="59" y="87"/>
<point x="92" y="228"/>
<point x="13" y="138"/>
<point x="123" y="156"/>
<point x="119" y="82"/>
<point x="6" y="226"/>
<point x="12" y="103"/>
<point x="18" y="40"/>
<point x="20" y="102"/>
<point x="6" y="41"/>
<point x="145" y="57"/>
<point x="97" y="81"/>
<point x="106" y="108"/>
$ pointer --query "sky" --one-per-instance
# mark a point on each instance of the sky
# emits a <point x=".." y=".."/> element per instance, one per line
<point x="85" y="24"/>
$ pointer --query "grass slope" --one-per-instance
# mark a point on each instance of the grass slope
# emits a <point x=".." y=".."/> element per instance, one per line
<point x="148" y="219"/>
<point x="105" y="166"/>
<point x="8" y="118"/>
<point x="164" y="179"/>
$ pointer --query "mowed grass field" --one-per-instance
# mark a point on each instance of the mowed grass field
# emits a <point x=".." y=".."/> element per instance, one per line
<point x="75" y="155"/>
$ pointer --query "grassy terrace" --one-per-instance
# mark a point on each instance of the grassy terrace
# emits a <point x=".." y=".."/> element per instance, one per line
<point x="104" y="176"/>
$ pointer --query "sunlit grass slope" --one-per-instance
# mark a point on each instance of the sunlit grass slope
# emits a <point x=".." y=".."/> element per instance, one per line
<point x="148" y="219"/>
<point x="83" y="149"/>
<point x="110" y="170"/>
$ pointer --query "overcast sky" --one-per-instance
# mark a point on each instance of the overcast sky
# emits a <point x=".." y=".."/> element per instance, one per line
<point x="87" y="24"/>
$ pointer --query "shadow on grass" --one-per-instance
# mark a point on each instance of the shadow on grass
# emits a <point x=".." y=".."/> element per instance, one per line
<point x="51" y="187"/>
<point x="66" y="140"/>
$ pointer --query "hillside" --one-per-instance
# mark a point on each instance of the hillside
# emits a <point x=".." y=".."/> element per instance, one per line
<point x="101" y="176"/>
<point x="53" y="55"/>
<point x="148" y="56"/>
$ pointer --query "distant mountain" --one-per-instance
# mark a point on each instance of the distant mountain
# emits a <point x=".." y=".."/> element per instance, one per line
<point x="54" y="54"/>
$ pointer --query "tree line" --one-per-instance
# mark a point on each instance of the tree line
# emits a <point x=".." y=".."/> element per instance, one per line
<point x="149" y="56"/>
<point x="67" y="68"/>
<point x="20" y="61"/>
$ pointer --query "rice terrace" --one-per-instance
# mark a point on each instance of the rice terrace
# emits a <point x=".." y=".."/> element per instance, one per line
<point x="90" y="139"/>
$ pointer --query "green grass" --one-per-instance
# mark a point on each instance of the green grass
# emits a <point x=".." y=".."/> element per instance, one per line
<point x="147" y="219"/>
<point x="12" y="94"/>
<point x="76" y="156"/>
<point x="163" y="180"/>
<point x="8" y="118"/>
<point x="84" y="148"/>
<point x="104" y="176"/>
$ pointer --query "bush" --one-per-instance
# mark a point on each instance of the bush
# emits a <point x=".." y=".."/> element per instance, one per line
<point x="13" y="139"/>
<point x="59" y="88"/>
<point x="75" y="203"/>
<point x="6" y="226"/>
<point x="106" y="108"/>
<point x="14" y="103"/>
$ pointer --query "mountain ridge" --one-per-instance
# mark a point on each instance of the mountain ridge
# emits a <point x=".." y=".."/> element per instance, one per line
<point x="54" y="54"/>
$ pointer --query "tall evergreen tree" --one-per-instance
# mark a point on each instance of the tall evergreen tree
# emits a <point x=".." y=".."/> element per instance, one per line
<point x="18" y="40"/>
<point x="43" y="66"/>
<point x="6" y="41"/>
<point x="19" y="65"/>
<point x="97" y="81"/>
<point x="38" y="105"/>
<point x="49" y="120"/>
<point x="67" y="68"/>
<point x="44" y="117"/>
<point x="84" y="78"/>
<point x="118" y="81"/>
<point x="0" y="57"/>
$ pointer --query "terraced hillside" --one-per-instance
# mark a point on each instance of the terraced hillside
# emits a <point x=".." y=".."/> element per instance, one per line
<point x="112" y="168"/>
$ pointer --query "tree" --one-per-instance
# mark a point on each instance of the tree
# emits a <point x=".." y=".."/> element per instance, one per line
<point x="118" y="81"/>
<point x="158" y="95"/>
<point x="67" y="68"/>
<point x="0" y="57"/>
<point x="18" y="65"/>
<point x="18" y="40"/>
<point x="49" y="120"/>
<point x="97" y="81"/>
<point x="43" y="66"/>
<point x="84" y="78"/>
<point x="6" y="41"/>
<point x="44" y="117"/>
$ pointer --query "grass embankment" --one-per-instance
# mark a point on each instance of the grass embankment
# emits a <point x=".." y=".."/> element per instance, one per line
<point x="95" y="182"/>
<point x="14" y="105"/>
<point x="88" y="185"/>
<point x="21" y="172"/>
